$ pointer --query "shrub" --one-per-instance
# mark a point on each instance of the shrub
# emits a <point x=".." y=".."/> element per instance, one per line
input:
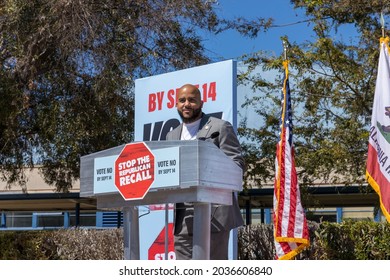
<point x="361" y="240"/>
<point x="22" y="245"/>
<point x="351" y="240"/>
<point x="88" y="244"/>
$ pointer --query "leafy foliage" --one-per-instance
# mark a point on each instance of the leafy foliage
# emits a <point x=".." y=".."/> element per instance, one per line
<point x="22" y="246"/>
<point x="67" y="71"/>
<point x="349" y="240"/>
<point x="68" y="67"/>
<point x="363" y="240"/>
<point x="82" y="244"/>
<point x="332" y="81"/>
<point x="256" y="243"/>
<point x="63" y="244"/>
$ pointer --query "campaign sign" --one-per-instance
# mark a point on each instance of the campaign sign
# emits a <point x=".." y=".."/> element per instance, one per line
<point x="157" y="249"/>
<point x="136" y="170"/>
<point x="156" y="96"/>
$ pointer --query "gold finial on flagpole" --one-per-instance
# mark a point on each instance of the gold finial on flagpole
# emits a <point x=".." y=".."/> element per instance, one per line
<point x="285" y="47"/>
<point x="383" y="25"/>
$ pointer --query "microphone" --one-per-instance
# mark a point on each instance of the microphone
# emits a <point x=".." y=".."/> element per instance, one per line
<point x="213" y="135"/>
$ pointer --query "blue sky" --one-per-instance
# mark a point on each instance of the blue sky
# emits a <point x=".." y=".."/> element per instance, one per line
<point x="231" y="45"/>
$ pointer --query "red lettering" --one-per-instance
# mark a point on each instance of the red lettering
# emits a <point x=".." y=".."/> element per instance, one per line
<point x="171" y="98"/>
<point x="212" y="91"/>
<point x="155" y="101"/>
<point x="152" y="102"/>
<point x="160" y="96"/>
<point x="209" y="92"/>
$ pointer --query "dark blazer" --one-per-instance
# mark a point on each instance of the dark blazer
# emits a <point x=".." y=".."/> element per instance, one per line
<point x="224" y="217"/>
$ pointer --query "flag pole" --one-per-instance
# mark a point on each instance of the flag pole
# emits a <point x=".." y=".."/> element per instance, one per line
<point x="282" y="136"/>
<point x="291" y="234"/>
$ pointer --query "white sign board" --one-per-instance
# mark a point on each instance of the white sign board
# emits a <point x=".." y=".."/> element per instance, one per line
<point x="156" y="115"/>
<point x="166" y="162"/>
<point x="155" y="98"/>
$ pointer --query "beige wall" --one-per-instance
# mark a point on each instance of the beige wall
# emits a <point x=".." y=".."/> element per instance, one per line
<point x="35" y="184"/>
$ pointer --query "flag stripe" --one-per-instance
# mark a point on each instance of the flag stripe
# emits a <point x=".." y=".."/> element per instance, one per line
<point x="384" y="193"/>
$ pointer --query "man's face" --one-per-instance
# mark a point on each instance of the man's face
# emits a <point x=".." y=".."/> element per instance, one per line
<point x="189" y="105"/>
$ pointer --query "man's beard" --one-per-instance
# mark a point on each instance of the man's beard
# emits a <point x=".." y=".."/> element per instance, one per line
<point x="195" y="115"/>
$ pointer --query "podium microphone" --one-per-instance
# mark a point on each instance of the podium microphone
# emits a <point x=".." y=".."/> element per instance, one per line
<point x="213" y="135"/>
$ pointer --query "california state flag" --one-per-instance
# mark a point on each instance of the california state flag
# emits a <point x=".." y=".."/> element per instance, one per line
<point x="378" y="161"/>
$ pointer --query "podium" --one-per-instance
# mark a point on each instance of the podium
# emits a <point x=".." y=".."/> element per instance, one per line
<point x="191" y="171"/>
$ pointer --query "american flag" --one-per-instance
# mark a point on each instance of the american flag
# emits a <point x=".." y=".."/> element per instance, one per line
<point x="290" y="225"/>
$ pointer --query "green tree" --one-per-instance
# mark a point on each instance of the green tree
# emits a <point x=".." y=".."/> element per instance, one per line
<point x="67" y="71"/>
<point x="332" y="80"/>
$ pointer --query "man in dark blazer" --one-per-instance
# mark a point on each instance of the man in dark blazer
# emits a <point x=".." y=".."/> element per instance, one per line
<point x="195" y="125"/>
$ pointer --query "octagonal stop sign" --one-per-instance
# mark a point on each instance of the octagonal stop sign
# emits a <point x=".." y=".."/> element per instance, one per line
<point x="134" y="171"/>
